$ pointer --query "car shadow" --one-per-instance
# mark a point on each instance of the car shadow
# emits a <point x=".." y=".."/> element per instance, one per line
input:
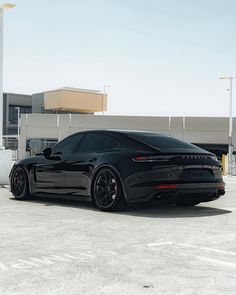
<point x="151" y="210"/>
<point x="60" y="201"/>
<point x="154" y="210"/>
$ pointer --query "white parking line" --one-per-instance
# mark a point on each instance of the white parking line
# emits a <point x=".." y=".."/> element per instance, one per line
<point x="214" y="261"/>
<point x="51" y="259"/>
<point x="3" y="267"/>
<point x="159" y="244"/>
<point x="208" y="249"/>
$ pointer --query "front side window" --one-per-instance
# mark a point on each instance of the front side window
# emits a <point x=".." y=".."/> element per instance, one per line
<point x="68" y="146"/>
<point x="98" y="143"/>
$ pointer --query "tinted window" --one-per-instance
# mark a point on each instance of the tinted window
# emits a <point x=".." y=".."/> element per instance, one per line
<point x="98" y="142"/>
<point x="164" y="143"/>
<point x="69" y="145"/>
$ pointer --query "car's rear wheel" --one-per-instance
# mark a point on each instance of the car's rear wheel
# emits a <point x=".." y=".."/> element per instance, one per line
<point x="20" y="184"/>
<point x="107" y="191"/>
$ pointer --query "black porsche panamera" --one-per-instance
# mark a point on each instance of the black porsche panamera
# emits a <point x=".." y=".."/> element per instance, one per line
<point x="116" y="167"/>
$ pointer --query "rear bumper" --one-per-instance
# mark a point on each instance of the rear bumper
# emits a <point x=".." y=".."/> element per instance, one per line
<point x="202" y="192"/>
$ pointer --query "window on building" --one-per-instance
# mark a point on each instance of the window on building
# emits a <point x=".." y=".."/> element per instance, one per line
<point x="13" y="113"/>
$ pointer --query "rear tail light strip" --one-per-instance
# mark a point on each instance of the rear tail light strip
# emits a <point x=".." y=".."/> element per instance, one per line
<point x="166" y="186"/>
<point x="168" y="158"/>
<point x="151" y="159"/>
<point x="174" y="186"/>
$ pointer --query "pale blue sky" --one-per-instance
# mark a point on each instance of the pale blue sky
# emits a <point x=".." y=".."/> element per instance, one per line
<point x="160" y="57"/>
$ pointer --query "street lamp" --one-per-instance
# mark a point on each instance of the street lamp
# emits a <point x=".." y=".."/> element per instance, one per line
<point x="104" y="94"/>
<point x="2" y="9"/>
<point x="230" y="147"/>
<point x="5" y="155"/>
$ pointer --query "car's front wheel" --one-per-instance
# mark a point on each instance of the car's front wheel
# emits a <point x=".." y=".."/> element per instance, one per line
<point x="20" y="184"/>
<point x="107" y="191"/>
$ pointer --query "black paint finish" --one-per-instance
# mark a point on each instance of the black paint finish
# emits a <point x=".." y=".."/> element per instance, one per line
<point x="141" y="165"/>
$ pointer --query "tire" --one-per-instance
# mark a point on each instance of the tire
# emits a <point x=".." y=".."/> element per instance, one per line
<point x="107" y="192"/>
<point x="20" y="184"/>
<point x="187" y="203"/>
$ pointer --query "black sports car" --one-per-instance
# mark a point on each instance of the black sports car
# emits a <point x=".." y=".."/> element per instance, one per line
<point x="116" y="167"/>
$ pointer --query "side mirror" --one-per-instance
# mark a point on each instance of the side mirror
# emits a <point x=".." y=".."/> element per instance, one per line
<point x="47" y="152"/>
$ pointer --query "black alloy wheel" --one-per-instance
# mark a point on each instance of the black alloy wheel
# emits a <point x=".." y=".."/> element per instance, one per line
<point x="19" y="184"/>
<point x="107" y="191"/>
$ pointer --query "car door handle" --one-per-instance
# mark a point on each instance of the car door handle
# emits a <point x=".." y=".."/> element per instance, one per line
<point x="93" y="159"/>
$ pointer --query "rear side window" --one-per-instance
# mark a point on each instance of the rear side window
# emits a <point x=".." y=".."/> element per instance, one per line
<point x="98" y="142"/>
<point x="165" y="143"/>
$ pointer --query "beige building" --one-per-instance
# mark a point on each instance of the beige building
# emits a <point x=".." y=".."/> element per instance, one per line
<point x="69" y="100"/>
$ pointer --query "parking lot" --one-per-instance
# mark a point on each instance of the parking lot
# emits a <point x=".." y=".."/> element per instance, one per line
<point x="50" y="246"/>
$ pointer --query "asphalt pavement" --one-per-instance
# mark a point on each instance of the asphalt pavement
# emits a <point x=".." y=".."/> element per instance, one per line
<point x="50" y="246"/>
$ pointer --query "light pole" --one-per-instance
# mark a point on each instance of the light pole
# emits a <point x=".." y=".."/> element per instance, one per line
<point x="104" y="94"/>
<point x="230" y="143"/>
<point x="2" y="9"/>
<point x="5" y="155"/>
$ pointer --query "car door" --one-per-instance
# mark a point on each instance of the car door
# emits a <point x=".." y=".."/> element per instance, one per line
<point x="50" y="174"/>
<point x="82" y="163"/>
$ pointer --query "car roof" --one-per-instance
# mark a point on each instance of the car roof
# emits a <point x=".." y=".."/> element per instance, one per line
<point x="135" y="134"/>
<point x="123" y="131"/>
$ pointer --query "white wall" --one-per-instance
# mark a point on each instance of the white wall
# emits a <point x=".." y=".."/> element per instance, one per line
<point x="192" y="129"/>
